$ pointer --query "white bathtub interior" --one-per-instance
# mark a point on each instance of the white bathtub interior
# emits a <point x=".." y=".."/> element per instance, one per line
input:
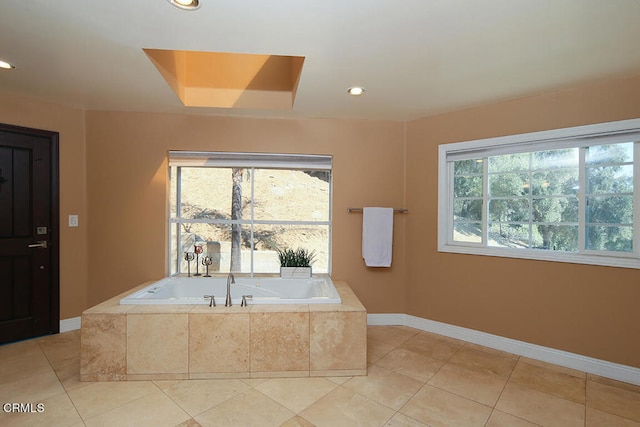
<point x="263" y="290"/>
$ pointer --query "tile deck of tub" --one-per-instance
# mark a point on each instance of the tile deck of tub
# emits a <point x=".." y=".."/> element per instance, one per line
<point x="176" y="342"/>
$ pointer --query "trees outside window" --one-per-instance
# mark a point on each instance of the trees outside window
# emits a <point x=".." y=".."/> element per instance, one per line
<point x="526" y="198"/>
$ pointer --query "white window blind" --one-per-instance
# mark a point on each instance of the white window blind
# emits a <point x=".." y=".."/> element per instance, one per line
<point x="248" y="160"/>
<point x="515" y="145"/>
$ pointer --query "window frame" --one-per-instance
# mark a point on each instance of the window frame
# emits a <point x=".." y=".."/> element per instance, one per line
<point x="250" y="161"/>
<point x="580" y="136"/>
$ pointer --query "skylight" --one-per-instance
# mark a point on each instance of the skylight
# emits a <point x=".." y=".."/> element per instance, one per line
<point x="229" y="80"/>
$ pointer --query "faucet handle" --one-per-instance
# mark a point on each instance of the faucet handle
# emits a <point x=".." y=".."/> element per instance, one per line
<point x="212" y="303"/>
<point x="244" y="300"/>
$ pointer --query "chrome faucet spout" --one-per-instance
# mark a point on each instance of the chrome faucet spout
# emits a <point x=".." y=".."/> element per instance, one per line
<point x="230" y="280"/>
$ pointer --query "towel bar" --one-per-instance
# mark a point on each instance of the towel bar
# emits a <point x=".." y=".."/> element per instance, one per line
<point x="399" y="210"/>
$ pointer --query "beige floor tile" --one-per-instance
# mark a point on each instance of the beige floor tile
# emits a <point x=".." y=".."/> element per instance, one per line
<point x="432" y="346"/>
<point x="596" y="418"/>
<point x="407" y="328"/>
<point x="453" y="341"/>
<point x="101" y="397"/>
<point x="500" y="419"/>
<point x="19" y="349"/>
<point x="558" y="368"/>
<point x="399" y="420"/>
<point x="377" y="349"/>
<point x="13" y="368"/>
<point x="436" y="407"/>
<point x="551" y="381"/>
<point x="61" y="348"/>
<point x="191" y="422"/>
<point x="26" y="375"/>
<point x="411" y="364"/>
<point x="392" y="335"/>
<point x="483" y="362"/>
<point x="613" y="383"/>
<point x="56" y="411"/>
<point x="196" y="396"/>
<point x="476" y="385"/>
<point x="540" y="408"/>
<point x="153" y="410"/>
<point x="69" y="374"/>
<point x="253" y="382"/>
<point x="31" y="388"/>
<point x="385" y="387"/>
<point x="616" y="401"/>
<point x="339" y="380"/>
<point x="345" y="407"/>
<point x="490" y="350"/>
<point x="164" y="384"/>
<point x="297" y="421"/>
<point x="248" y="409"/>
<point x="296" y="394"/>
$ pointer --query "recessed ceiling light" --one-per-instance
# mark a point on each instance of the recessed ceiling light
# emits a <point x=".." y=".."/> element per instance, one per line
<point x="355" y="90"/>
<point x="6" y="65"/>
<point x="186" y="4"/>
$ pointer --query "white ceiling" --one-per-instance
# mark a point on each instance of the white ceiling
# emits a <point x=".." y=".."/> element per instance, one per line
<point x="415" y="57"/>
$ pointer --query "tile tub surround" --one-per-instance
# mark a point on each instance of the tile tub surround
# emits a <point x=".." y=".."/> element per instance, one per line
<point x="176" y="342"/>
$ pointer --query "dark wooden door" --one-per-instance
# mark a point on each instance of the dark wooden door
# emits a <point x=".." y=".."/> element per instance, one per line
<point x="29" y="286"/>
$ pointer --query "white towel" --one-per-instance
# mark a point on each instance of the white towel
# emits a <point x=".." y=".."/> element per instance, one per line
<point x="377" y="236"/>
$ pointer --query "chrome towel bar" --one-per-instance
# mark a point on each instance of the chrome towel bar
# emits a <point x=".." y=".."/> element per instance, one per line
<point x="399" y="210"/>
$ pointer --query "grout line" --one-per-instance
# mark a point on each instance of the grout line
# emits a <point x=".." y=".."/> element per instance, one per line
<point x="585" y="399"/>
<point x="502" y="391"/>
<point x="65" y="391"/>
<point x="120" y="406"/>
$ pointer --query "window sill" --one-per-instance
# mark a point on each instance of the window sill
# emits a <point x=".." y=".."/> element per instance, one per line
<point x="624" y="261"/>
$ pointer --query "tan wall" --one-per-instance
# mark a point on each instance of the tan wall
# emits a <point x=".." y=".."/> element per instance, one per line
<point x="583" y="309"/>
<point x="69" y="123"/>
<point x="121" y="200"/>
<point x="127" y="178"/>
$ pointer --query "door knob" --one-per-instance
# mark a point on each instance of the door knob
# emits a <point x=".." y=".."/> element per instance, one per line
<point x="41" y="244"/>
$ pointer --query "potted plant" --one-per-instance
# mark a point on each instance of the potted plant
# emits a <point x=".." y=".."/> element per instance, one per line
<point x="295" y="264"/>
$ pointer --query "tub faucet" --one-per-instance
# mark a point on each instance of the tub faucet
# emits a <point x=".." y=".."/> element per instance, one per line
<point x="212" y="300"/>
<point x="230" y="279"/>
<point x="244" y="300"/>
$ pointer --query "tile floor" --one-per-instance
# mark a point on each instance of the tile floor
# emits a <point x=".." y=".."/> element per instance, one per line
<point x="415" y="379"/>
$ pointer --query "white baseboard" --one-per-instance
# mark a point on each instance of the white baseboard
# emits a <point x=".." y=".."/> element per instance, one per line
<point x="590" y="365"/>
<point x="72" y="324"/>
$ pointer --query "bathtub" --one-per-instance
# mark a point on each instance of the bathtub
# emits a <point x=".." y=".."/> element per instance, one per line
<point x="271" y="290"/>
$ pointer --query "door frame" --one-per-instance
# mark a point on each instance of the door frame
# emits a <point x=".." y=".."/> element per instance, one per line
<point x="54" y="212"/>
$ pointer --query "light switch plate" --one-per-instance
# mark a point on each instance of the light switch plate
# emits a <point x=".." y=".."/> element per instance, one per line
<point x="73" y="220"/>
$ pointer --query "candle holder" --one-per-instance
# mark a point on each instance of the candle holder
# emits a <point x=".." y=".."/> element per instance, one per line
<point x="198" y="250"/>
<point x="207" y="261"/>
<point x="188" y="256"/>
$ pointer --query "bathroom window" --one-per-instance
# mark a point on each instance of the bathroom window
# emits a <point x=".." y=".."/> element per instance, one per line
<point x="242" y="207"/>
<point x="564" y="195"/>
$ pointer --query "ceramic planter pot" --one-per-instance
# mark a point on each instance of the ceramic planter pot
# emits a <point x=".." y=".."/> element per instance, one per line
<point x="295" y="272"/>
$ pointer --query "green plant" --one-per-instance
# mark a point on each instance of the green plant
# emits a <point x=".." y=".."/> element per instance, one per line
<point x="296" y="258"/>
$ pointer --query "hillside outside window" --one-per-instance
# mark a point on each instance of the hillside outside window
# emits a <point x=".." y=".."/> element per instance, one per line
<point x="241" y="207"/>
